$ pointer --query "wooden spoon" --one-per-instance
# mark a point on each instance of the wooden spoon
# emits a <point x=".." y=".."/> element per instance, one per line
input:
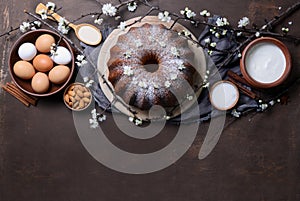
<point x="86" y="33"/>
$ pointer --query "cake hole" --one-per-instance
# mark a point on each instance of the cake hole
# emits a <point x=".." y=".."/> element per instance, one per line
<point x="151" y="67"/>
<point x="151" y="63"/>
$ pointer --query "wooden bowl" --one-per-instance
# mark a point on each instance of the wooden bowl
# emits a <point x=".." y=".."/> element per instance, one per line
<point x="72" y="101"/>
<point x="221" y="98"/>
<point x="270" y="67"/>
<point x="25" y="85"/>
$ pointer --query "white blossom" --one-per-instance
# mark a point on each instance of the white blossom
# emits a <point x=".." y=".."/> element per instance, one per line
<point x="207" y="40"/>
<point x="80" y="57"/>
<point x="224" y="32"/>
<point x="138" y="122"/>
<point x="134" y="81"/>
<point x="88" y="82"/>
<point x="132" y="6"/>
<point x="263" y="106"/>
<point x="189" y="97"/>
<point x="222" y="21"/>
<point x="135" y="120"/>
<point x="128" y="70"/>
<point x="166" y="117"/>
<point x="235" y="113"/>
<point x="285" y="29"/>
<point x="167" y="84"/>
<point x="162" y="44"/>
<point x="210" y="52"/>
<point x="93" y="123"/>
<point x="63" y="26"/>
<point x="37" y="23"/>
<point x="50" y="6"/>
<point x="205" y="13"/>
<point x="173" y="76"/>
<point x="239" y="34"/>
<point x="272" y="102"/>
<point x="96" y="118"/>
<point x="80" y="60"/>
<point x="164" y="17"/>
<point x="127" y="54"/>
<point x="109" y="10"/>
<point x="180" y="65"/>
<point x="290" y="22"/>
<point x="257" y="34"/>
<point x="185" y="33"/>
<point x="24" y="27"/>
<point x="98" y="21"/>
<point x="131" y="119"/>
<point x="217" y="35"/>
<point x="188" y="13"/>
<point x="53" y="49"/>
<point x="117" y="17"/>
<point x="155" y="85"/>
<point x="213" y="30"/>
<point x="43" y="14"/>
<point x="143" y="84"/>
<point x="102" y="118"/>
<point x="243" y="22"/>
<point x="81" y="63"/>
<point x="175" y="51"/>
<point x="206" y="85"/>
<point x="214" y="44"/>
<point x="122" y="26"/>
<point x="94" y="114"/>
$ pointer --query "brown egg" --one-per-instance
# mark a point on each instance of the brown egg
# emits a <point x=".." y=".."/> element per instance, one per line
<point x="42" y="63"/>
<point x="59" y="74"/>
<point x="24" y="70"/>
<point x="43" y="43"/>
<point x="40" y="82"/>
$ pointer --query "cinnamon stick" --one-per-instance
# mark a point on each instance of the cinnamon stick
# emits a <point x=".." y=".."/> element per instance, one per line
<point x="236" y="77"/>
<point x="28" y="98"/>
<point x="243" y="89"/>
<point x="17" y="96"/>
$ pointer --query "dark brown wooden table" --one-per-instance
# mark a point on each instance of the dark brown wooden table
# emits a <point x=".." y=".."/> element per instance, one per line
<point x="42" y="157"/>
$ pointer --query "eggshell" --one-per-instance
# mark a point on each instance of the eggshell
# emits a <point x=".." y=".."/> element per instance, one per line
<point x="43" y="43"/>
<point x="62" y="56"/>
<point x="42" y="63"/>
<point x="24" y="70"/>
<point x="59" y="74"/>
<point x="40" y="82"/>
<point x="27" y="51"/>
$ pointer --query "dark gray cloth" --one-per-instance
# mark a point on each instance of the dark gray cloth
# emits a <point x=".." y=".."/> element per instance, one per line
<point x="214" y="62"/>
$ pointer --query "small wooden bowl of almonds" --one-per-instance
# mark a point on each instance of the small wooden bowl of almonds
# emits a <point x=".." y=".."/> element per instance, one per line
<point x="77" y="97"/>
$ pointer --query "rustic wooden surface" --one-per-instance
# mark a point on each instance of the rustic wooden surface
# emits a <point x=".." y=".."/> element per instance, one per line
<point x="42" y="158"/>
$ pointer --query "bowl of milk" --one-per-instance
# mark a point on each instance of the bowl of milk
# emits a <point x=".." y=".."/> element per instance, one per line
<point x="265" y="63"/>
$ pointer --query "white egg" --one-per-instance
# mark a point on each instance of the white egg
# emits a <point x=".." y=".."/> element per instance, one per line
<point x="62" y="56"/>
<point x="27" y="51"/>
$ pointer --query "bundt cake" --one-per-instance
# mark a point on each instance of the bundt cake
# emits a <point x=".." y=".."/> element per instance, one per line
<point x="150" y="65"/>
